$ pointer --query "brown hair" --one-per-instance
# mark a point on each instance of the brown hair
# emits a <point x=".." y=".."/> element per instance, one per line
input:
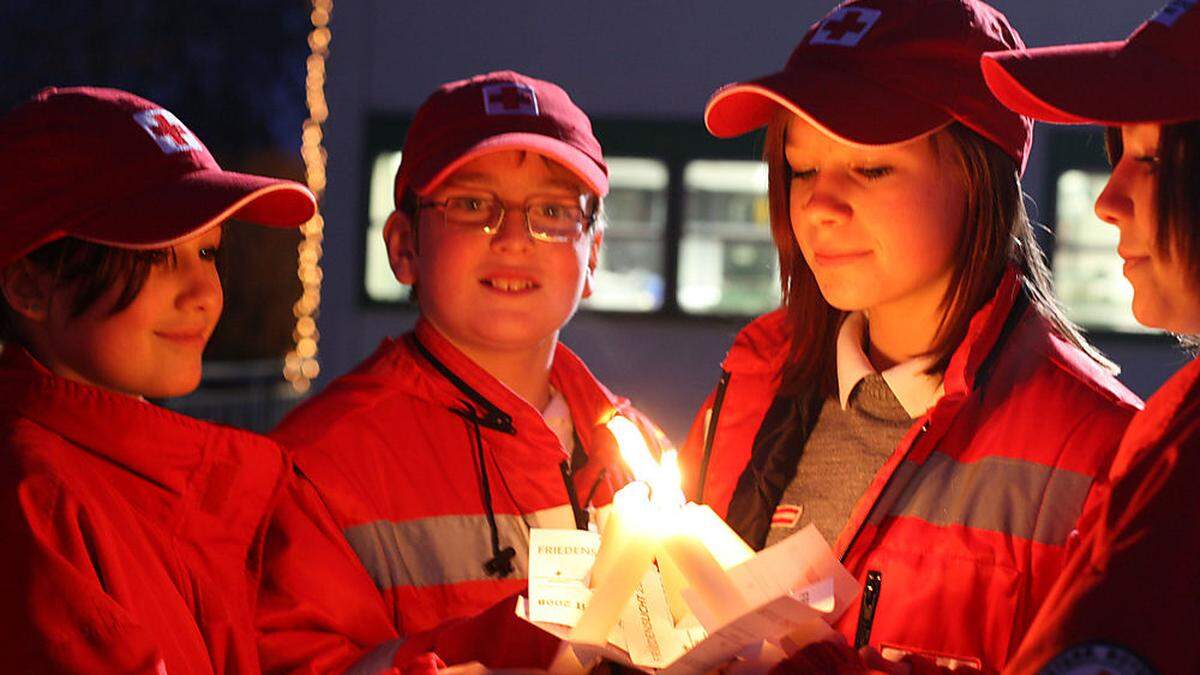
<point x="1000" y="235"/>
<point x="1177" y="190"/>
<point x="88" y="270"/>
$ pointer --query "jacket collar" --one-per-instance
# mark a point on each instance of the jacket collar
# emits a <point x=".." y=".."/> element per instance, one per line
<point x="762" y="346"/>
<point x="984" y="331"/>
<point x="591" y="404"/>
<point x="229" y="473"/>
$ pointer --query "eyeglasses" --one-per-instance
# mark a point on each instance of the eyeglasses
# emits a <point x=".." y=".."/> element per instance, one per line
<point x="549" y="221"/>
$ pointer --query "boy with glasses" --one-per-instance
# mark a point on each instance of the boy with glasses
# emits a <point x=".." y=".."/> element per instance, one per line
<point x="438" y="454"/>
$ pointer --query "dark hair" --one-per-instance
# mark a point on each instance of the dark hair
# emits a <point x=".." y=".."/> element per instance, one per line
<point x="1177" y="190"/>
<point x="1000" y="234"/>
<point x="88" y="270"/>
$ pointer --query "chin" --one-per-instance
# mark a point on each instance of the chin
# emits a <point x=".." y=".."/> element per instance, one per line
<point x="845" y="301"/>
<point x="1150" y="315"/>
<point x="174" y="387"/>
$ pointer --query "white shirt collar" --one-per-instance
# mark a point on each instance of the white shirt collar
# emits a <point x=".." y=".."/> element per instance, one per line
<point x="916" y="391"/>
<point x="558" y="417"/>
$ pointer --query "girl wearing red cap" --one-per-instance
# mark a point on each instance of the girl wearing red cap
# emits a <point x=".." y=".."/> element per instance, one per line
<point x="131" y="533"/>
<point x="919" y="397"/>
<point x="1129" y="602"/>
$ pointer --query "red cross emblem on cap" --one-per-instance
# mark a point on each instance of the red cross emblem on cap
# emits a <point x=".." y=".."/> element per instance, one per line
<point x="166" y="130"/>
<point x="509" y="98"/>
<point x="845" y="27"/>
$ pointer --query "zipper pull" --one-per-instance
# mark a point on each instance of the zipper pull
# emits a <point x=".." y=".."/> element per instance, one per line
<point x="866" y="611"/>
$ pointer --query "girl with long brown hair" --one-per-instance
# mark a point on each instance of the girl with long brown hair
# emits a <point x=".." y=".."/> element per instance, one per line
<point x="919" y="397"/>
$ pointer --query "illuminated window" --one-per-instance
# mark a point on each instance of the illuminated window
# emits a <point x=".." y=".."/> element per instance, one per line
<point x="378" y="280"/>
<point x="1088" y="275"/>
<point x="629" y="276"/>
<point x="727" y="260"/>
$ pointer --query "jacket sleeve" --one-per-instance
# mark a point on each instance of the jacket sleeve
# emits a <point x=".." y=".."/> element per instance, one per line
<point x="1096" y="437"/>
<point x="1132" y="584"/>
<point x="318" y="610"/>
<point x="57" y="615"/>
<point x="496" y="638"/>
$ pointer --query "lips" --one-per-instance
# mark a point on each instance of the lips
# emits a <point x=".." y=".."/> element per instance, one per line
<point x="184" y="337"/>
<point x="510" y="284"/>
<point x="834" y="258"/>
<point x="1133" y="263"/>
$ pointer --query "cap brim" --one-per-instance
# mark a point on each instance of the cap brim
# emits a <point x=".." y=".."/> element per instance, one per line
<point x="1097" y="83"/>
<point x="574" y="160"/>
<point x="194" y="203"/>
<point x="848" y="107"/>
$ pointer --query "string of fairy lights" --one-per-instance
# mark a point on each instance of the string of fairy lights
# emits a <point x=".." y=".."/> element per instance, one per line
<point x="300" y="365"/>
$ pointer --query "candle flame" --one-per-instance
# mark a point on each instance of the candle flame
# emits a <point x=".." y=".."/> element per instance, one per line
<point x="668" y="486"/>
<point x="664" y="479"/>
<point x="634" y="449"/>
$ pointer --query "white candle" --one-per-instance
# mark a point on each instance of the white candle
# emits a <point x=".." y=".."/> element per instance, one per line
<point x="624" y="556"/>
<point x="727" y="547"/>
<point x="701" y="572"/>
<point x="628" y="502"/>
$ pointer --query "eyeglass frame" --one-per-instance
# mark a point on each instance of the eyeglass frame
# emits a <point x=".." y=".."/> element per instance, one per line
<point x="588" y="221"/>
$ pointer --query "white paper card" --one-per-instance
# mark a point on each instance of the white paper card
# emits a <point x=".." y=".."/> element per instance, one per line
<point x="559" y="563"/>
<point x="799" y="561"/>
<point x="650" y="635"/>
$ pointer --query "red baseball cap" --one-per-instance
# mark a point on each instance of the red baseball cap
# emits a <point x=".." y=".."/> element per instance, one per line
<point x="466" y="119"/>
<point x="109" y="167"/>
<point x="1153" y="76"/>
<point x="877" y="72"/>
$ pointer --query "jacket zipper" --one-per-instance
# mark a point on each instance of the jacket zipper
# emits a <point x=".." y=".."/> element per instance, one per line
<point x="710" y="433"/>
<point x="866" y="611"/>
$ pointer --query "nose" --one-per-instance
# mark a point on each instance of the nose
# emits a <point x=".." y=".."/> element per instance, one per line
<point x="513" y="234"/>
<point x="1114" y="205"/>
<point x="820" y="202"/>
<point x="201" y="287"/>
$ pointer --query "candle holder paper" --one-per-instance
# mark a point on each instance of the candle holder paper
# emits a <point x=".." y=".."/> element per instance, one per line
<point x="791" y="590"/>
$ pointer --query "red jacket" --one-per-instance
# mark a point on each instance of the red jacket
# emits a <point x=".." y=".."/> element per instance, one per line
<point x="131" y="534"/>
<point x="965" y="528"/>
<point x="392" y="450"/>
<point x="1130" y="592"/>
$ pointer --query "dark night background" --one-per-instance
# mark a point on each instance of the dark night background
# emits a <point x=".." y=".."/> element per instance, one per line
<point x="233" y="71"/>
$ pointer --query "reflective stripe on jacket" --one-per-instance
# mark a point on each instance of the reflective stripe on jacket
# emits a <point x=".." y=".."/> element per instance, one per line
<point x="392" y="451"/>
<point x="968" y="523"/>
<point x="131" y="534"/>
<point x="1129" y="596"/>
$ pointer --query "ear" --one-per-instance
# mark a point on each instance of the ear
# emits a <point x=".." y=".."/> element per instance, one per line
<point x="27" y="290"/>
<point x="400" y="237"/>
<point x="589" y="279"/>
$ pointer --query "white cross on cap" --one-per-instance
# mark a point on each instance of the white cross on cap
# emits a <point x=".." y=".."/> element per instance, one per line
<point x="166" y="130"/>
<point x="1168" y="15"/>
<point x="845" y="27"/>
<point x="509" y="98"/>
